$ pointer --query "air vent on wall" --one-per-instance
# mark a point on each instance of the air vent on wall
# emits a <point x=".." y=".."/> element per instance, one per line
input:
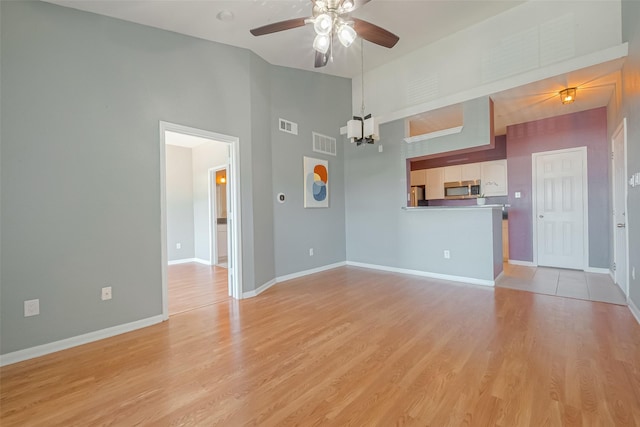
<point x="324" y="144"/>
<point x="287" y="126"/>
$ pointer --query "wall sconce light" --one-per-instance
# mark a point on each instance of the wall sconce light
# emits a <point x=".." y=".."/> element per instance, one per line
<point x="568" y="95"/>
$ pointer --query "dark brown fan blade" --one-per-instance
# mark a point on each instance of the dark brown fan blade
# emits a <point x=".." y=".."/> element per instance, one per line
<point x="322" y="58"/>
<point x="374" y="34"/>
<point x="278" y="26"/>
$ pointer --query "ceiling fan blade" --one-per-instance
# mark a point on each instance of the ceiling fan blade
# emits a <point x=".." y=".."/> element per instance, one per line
<point x="278" y="26"/>
<point x="374" y="34"/>
<point x="322" y="58"/>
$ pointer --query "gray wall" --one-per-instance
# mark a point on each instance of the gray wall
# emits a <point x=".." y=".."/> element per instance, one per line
<point x="631" y="110"/>
<point x="262" y="212"/>
<point x="179" y="203"/>
<point x="316" y="103"/>
<point x="379" y="232"/>
<point x="82" y="96"/>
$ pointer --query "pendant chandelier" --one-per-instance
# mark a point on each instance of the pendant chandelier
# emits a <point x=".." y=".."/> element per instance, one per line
<point x="363" y="129"/>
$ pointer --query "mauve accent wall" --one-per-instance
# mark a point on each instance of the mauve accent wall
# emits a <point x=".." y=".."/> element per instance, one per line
<point x="586" y="128"/>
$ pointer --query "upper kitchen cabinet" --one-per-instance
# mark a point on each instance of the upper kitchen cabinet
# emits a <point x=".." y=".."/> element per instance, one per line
<point x="494" y="178"/>
<point x="435" y="184"/>
<point x="468" y="172"/>
<point x="418" y="178"/>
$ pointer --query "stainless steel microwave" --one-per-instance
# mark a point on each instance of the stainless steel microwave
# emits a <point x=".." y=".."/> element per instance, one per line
<point x="462" y="189"/>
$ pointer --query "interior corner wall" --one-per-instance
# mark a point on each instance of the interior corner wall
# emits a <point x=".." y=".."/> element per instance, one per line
<point x="262" y="212"/>
<point x="179" y="179"/>
<point x="205" y="156"/>
<point x="631" y="110"/>
<point x="586" y="128"/>
<point x="82" y="97"/>
<point x="317" y="103"/>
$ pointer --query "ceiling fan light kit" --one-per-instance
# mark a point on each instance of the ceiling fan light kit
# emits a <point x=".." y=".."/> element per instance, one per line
<point x="332" y="18"/>
<point x="568" y="95"/>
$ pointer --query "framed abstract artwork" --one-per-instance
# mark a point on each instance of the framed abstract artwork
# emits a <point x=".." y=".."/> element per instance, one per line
<point x="316" y="183"/>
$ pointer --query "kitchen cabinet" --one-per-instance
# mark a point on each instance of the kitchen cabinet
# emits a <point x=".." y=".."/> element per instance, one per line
<point x="494" y="178"/>
<point x="418" y="177"/>
<point x="435" y="184"/>
<point x="468" y="172"/>
<point x="452" y="173"/>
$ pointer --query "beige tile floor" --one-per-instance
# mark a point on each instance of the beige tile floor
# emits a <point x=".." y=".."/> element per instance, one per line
<point x="565" y="283"/>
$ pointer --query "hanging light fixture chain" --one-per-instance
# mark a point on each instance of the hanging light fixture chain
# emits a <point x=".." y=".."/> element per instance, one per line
<point x="362" y="69"/>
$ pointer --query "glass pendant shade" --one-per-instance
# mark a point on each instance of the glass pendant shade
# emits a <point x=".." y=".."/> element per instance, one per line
<point x="323" y="24"/>
<point x="321" y="43"/>
<point x="346" y="35"/>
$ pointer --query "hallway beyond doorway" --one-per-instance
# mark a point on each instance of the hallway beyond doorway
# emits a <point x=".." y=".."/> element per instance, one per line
<point x="193" y="285"/>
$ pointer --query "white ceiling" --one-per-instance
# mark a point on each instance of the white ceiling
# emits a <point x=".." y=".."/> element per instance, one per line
<point x="416" y="22"/>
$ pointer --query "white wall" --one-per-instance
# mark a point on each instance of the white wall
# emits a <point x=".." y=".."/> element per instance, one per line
<point x="179" y="181"/>
<point x="205" y="157"/>
<point x="524" y="38"/>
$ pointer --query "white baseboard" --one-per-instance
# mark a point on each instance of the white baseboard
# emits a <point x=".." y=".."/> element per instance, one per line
<point x="634" y="309"/>
<point x="181" y="261"/>
<point x="523" y="263"/>
<point x="311" y="271"/>
<point x="462" y="279"/>
<point x="187" y="260"/>
<point x="260" y="290"/>
<point x="597" y="270"/>
<point x="291" y="276"/>
<point x="41" y="350"/>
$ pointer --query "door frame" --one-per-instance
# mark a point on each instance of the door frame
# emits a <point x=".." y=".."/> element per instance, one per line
<point x="234" y="214"/>
<point x="585" y="201"/>
<point x="213" y="224"/>
<point x="622" y="127"/>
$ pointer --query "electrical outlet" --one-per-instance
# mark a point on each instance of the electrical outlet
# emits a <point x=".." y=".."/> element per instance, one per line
<point x="447" y="254"/>
<point x="380" y="148"/>
<point x="518" y="194"/>
<point x="106" y="293"/>
<point x="178" y="245"/>
<point x="310" y="251"/>
<point x="31" y="307"/>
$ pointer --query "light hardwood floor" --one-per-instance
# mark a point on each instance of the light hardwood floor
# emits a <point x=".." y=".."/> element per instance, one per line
<point x="349" y="346"/>
<point x="194" y="285"/>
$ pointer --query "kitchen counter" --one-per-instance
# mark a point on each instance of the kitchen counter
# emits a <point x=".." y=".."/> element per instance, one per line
<point x="454" y="242"/>
<point x="418" y="208"/>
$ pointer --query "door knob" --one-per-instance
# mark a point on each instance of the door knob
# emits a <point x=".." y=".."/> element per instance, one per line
<point x="622" y="225"/>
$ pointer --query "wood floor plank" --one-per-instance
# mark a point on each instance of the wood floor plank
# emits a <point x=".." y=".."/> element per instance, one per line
<point x="348" y="347"/>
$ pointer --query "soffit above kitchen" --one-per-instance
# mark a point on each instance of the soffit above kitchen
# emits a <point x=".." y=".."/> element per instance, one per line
<point x="538" y="100"/>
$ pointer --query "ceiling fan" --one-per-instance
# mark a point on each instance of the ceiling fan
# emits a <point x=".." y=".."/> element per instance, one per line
<point x="331" y="18"/>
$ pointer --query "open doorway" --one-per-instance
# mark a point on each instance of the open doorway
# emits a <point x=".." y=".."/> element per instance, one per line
<point x="218" y="216"/>
<point x="191" y="209"/>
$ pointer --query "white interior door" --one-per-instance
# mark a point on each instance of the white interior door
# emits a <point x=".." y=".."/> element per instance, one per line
<point x="620" y="254"/>
<point x="559" y="208"/>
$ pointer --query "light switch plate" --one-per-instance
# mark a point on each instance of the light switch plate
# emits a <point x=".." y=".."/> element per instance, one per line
<point x="518" y="195"/>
